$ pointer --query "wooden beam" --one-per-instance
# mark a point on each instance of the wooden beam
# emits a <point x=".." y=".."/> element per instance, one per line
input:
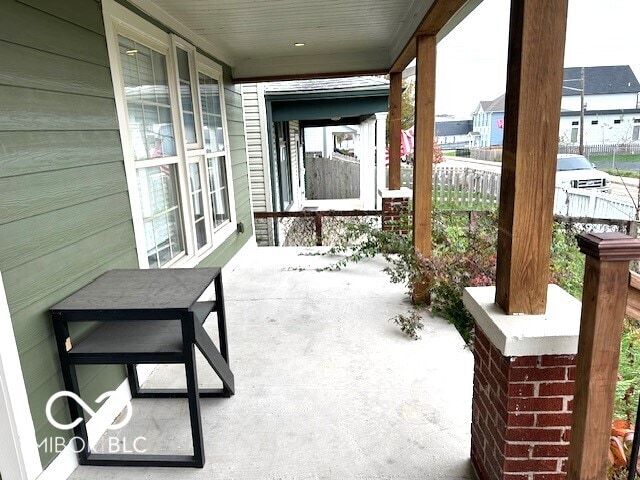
<point x="532" y="118"/>
<point x="308" y="76"/>
<point x="604" y="297"/>
<point x="424" y="132"/>
<point x="406" y="56"/>
<point x="437" y="16"/>
<point x="395" y="126"/>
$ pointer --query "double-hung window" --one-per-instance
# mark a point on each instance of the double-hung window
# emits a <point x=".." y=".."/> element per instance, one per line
<point x="171" y="112"/>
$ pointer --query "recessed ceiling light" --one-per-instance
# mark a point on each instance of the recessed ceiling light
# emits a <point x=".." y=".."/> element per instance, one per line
<point x="299" y="44"/>
<point x="131" y="52"/>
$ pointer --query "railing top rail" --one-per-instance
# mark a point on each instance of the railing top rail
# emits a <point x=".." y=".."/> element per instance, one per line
<point x="324" y="213"/>
<point x="596" y="221"/>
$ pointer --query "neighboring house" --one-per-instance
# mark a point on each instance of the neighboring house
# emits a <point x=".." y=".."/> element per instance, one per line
<point x="611" y="113"/>
<point x="488" y="123"/>
<point x="278" y="114"/>
<point x="453" y="133"/>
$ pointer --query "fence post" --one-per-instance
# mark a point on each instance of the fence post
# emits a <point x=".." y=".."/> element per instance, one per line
<point x="318" y="218"/>
<point x="592" y="204"/>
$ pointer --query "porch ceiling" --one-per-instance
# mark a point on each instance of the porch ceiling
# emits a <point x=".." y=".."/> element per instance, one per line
<point x="256" y="37"/>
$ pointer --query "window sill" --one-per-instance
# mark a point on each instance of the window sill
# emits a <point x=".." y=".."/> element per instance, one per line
<point x="220" y="236"/>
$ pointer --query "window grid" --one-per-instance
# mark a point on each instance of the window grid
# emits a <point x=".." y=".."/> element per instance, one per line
<point x="197" y="193"/>
<point x="214" y="140"/>
<point x="218" y="190"/>
<point x="161" y="214"/>
<point x="186" y="96"/>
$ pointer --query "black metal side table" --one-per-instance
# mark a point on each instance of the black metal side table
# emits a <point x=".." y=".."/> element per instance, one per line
<point x="145" y="316"/>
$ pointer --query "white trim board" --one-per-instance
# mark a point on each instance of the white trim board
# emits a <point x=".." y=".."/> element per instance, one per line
<point x="19" y="457"/>
<point x="67" y="460"/>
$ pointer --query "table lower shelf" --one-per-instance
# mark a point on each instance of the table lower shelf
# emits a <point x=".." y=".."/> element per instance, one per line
<point x="142" y="341"/>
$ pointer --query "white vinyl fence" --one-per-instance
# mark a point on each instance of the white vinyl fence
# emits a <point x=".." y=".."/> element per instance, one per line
<point x="464" y="187"/>
<point x="582" y="202"/>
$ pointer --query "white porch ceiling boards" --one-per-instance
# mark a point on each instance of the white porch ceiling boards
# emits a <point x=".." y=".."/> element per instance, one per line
<point x="256" y="37"/>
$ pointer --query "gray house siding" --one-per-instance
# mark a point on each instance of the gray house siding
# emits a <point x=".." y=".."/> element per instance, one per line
<point x="253" y="103"/>
<point x="65" y="216"/>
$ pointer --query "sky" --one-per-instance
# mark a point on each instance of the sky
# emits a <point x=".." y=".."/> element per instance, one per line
<point x="472" y="58"/>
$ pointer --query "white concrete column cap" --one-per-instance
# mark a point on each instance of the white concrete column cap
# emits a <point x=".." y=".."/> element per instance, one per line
<point x="403" y="192"/>
<point x="554" y="333"/>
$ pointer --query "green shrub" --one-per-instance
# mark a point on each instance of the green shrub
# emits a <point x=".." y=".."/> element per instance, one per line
<point x="409" y="324"/>
<point x="628" y="386"/>
<point x="464" y="255"/>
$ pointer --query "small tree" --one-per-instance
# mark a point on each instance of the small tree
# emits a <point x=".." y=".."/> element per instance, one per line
<point x="438" y="157"/>
<point x="408" y="106"/>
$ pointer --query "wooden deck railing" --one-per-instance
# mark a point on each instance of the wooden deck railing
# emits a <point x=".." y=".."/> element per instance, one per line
<point x="633" y="297"/>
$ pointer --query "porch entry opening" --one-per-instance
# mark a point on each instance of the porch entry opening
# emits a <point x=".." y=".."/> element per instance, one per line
<point x="332" y="169"/>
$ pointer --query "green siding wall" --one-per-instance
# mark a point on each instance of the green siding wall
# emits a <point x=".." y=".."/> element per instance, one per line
<point x="64" y="208"/>
<point x="64" y="215"/>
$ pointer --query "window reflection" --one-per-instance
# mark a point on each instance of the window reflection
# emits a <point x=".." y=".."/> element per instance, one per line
<point x="211" y="113"/>
<point x="147" y="95"/>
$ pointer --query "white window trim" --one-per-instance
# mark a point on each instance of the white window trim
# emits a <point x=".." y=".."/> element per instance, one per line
<point x="121" y="21"/>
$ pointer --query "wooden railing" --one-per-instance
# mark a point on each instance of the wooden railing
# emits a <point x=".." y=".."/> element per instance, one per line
<point x="312" y="227"/>
<point x="633" y="297"/>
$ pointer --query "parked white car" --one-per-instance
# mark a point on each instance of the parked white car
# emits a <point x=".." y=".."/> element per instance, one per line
<point x="575" y="171"/>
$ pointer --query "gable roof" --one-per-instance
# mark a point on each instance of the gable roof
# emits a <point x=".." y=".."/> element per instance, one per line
<point x="597" y="81"/>
<point x="455" y="127"/>
<point x="496" y="105"/>
<point x="601" y="80"/>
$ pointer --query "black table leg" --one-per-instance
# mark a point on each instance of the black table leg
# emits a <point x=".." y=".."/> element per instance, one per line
<point x="188" y="338"/>
<point x="222" y="319"/>
<point x="71" y="384"/>
<point x="134" y="384"/>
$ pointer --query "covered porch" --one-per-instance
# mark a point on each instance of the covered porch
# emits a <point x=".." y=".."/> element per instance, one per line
<point x="327" y="387"/>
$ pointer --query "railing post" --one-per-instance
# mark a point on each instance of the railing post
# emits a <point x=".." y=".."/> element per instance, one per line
<point x="318" y="218"/>
<point x="604" y="299"/>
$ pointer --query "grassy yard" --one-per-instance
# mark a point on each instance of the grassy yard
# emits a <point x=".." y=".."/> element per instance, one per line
<point x="626" y="163"/>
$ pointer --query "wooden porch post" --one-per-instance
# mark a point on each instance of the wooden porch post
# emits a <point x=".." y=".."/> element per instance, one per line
<point x="424" y="130"/>
<point x="532" y="117"/>
<point x="604" y="299"/>
<point x="395" y="121"/>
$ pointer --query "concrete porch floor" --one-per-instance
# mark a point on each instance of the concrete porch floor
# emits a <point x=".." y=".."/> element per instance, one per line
<point x="326" y="386"/>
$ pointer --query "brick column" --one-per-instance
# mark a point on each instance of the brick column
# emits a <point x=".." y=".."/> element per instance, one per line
<point x="394" y="203"/>
<point x="521" y="414"/>
<point x="523" y="388"/>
